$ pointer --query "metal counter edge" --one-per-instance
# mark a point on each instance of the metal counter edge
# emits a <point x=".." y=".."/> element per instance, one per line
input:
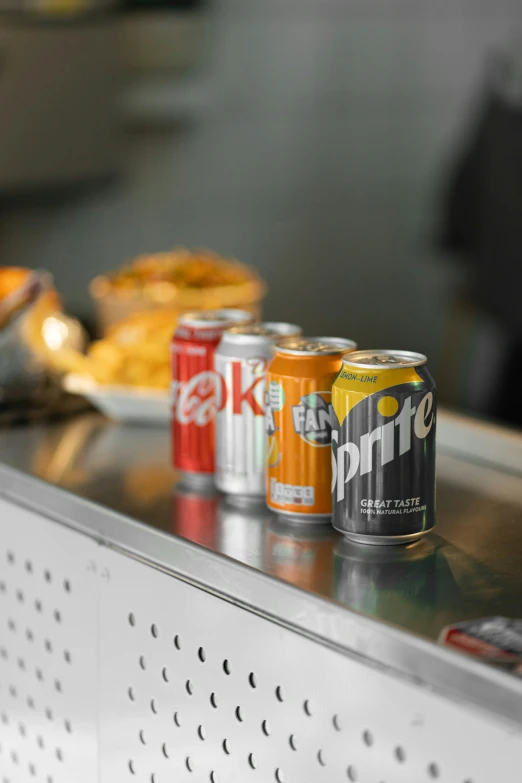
<point x="424" y="663"/>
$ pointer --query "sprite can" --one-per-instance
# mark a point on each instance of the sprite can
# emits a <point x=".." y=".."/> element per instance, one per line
<point x="383" y="447"/>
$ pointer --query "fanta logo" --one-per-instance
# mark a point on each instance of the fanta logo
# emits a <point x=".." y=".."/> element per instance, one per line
<point x="357" y="458"/>
<point x="312" y="418"/>
<point x="197" y="399"/>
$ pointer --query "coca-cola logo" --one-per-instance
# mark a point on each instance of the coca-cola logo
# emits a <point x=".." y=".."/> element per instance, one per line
<point x="196" y="400"/>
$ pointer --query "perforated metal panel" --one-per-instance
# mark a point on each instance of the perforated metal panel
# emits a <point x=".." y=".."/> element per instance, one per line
<point x="197" y="689"/>
<point x="113" y="671"/>
<point x="48" y="648"/>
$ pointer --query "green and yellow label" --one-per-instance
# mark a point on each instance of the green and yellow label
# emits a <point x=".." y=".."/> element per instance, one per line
<point x="351" y="386"/>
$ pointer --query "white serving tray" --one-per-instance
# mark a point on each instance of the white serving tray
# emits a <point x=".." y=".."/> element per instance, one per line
<point x="122" y="403"/>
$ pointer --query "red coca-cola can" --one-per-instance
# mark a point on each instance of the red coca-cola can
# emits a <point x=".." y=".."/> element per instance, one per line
<point x="197" y="391"/>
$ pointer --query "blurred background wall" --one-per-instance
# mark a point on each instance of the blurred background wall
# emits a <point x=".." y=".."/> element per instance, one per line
<point x="311" y="139"/>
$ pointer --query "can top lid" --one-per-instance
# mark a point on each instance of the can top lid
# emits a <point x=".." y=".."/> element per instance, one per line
<point x="384" y="359"/>
<point x="205" y="319"/>
<point x="299" y="346"/>
<point x="268" y="331"/>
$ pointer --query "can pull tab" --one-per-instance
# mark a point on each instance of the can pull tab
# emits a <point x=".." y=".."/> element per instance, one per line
<point x="385" y="360"/>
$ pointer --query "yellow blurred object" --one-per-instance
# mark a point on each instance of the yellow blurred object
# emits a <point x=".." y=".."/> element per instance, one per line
<point x="37" y="344"/>
<point x="11" y="278"/>
<point x="55" y="332"/>
<point x="135" y="352"/>
<point x="146" y="485"/>
<point x="176" y="282"/>
<point x="18" y="297"/>
<point x="151" y="292"/>
<point x="61" y="7"/>
<point x="56" y="338"/>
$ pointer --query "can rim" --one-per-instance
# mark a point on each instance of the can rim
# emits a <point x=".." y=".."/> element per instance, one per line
<point x="273" y="331"/>
<point x="207" y="319"/>
<point x="300" y="530"/>
<point x="409" y="552"/>
<point x="332" y="345"/>
<point x="415" y="359"/>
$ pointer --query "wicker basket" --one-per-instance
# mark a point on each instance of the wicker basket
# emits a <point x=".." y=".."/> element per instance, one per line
<point x="113" y="306"/>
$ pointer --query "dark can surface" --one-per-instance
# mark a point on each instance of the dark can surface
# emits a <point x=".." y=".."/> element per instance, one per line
<point x="390" y="582"/>
<point x="383" y="447"/>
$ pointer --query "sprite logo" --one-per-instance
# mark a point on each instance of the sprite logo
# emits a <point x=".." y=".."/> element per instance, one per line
<point x="351" y="459"/>
<point x="312" y="418"/>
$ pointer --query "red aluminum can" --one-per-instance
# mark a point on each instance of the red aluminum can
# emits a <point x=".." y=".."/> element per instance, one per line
<point x="197" y="390"/>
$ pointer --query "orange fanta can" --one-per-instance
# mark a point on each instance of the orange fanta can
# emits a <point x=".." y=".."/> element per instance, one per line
<point x="299" y="424"/>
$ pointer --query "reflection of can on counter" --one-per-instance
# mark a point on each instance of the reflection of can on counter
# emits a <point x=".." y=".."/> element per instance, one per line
<point x="301" y="554"/>
<point x="391" y="583"/>
<point x="241" y="529"/>
<point x="194" y="513"/>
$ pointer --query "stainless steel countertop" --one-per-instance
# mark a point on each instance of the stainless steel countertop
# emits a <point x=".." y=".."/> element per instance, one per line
<point x="470" y="567"/>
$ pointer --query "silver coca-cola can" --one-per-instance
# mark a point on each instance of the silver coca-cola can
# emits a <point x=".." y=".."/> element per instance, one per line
<point x="241" y="360"/>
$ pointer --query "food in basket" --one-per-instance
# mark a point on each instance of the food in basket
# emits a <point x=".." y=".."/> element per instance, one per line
<point x="179" y="280"/>
<point x="180" y="268"/>
<point x="134" y="352"/>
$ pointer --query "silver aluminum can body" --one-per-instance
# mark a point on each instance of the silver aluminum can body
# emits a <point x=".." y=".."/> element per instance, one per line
<point x="241" y="360"/>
